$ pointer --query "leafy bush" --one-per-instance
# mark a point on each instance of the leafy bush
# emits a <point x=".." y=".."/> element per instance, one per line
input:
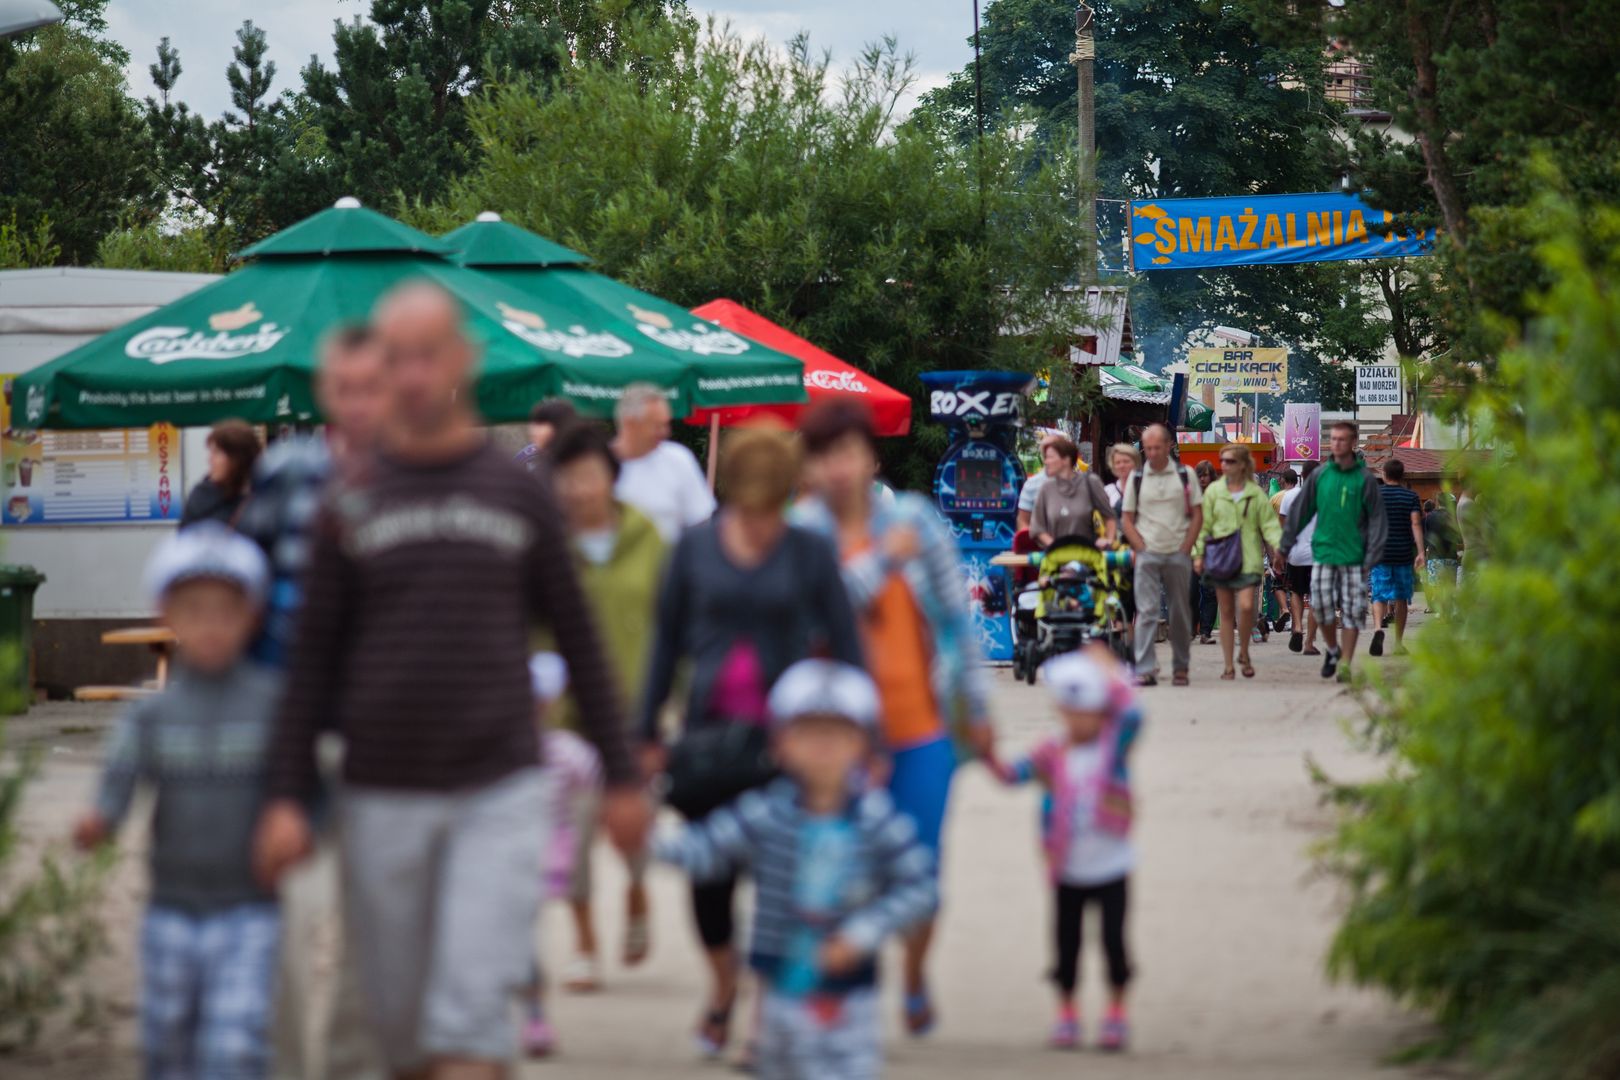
<point x="191" y="248"/>
<point x="49" y="926"/>
<point x="1485" y="868"/>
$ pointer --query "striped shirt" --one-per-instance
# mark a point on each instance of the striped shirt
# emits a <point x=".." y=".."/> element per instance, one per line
<point x="889" y="887"/>
<point x="424" y="584"/>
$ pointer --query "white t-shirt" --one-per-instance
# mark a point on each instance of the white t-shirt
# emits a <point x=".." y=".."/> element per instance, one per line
<point x="668" y="486"/>
<point x="597" y="545"/>
<point x="1300" y="553"/>
<point x="1031" y="491"/>
<point x="1163" y="515"/>
<point x="1094" y="857"/>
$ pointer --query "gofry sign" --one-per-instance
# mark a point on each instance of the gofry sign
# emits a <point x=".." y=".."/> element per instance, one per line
<point x="1239" y="371"/>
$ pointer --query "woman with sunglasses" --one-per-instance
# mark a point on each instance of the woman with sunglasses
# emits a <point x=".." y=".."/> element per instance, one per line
<point x="1239" y="528"/>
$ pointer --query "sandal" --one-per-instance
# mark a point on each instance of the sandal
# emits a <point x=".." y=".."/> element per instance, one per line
<point x="919" y="1014"/>
<point x="583" y="975"/>
<point x="1228" y="674"/>
<point x="1180" y="679"/>
<point x="713" y="1031"/>
<point x="637" y="941"/>
<point x="1147" y="680"/>
<point x="1312" y="651"/>
<point x="1248" y="668"/>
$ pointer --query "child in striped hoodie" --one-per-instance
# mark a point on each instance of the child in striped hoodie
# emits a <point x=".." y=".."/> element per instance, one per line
<point x="837" y="871"/>
<point x="1086" y="826"/>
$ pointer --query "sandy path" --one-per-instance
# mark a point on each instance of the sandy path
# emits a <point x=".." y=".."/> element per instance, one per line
<point x="1229" y="925"/>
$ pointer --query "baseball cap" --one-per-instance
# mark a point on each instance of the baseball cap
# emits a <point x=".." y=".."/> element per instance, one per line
<point x="548" y="674"/>
<point x="207" y="551"/>
<point x="824" y="688"/>
<point x="1077" y="682"/>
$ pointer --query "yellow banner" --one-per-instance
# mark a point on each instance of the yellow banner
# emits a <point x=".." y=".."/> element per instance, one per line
<point x="1239" y="371"/>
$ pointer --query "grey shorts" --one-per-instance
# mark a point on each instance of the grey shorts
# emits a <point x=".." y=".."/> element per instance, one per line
<point x="442" y="896"/>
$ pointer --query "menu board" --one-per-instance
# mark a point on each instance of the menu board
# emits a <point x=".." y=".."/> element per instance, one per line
<point x="120" y="475"/>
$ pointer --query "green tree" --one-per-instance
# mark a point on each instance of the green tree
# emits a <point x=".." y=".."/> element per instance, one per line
<point x="1190" y="101"/>
<point x="1482" y="866"/>
<point x="1481" y="88"/>
<point x="72" y="147"/>
<point x="725" y="168"/>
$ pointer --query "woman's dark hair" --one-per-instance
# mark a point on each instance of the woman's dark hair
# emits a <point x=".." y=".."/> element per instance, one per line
<point x="1428" y="506"/>
<point x="1204" y="470"/>
<point x="553" y="411"/>
<point x="581" y="439"/>
<point x="1065" y="448"/>
<point x="1310" y="467"/>
<point x="826" y="423"/>
<point x="237" y="440"/>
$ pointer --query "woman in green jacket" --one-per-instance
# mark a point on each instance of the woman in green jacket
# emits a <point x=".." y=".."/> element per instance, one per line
<point x="1235" y="504"/>
<point x="620" y="557"/>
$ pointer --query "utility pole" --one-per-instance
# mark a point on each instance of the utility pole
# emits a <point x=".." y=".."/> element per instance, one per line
<point x="1084" y="58"/>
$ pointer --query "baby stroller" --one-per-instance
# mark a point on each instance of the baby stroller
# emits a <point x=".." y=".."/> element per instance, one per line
<point x="1074" y="601"/>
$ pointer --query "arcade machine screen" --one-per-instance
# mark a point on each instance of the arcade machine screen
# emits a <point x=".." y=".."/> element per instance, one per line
<point x="978" y="484"/>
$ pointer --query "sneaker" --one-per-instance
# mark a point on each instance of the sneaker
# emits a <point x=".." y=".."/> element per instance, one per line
<point x="1377" y="646"/>
<point x="1065" y="1034"/>
<point x="1256" y="636"/>
<point x="1296" y="641"/>
<point x="1384" y="623"/>
<point x="1330" y="662"/>
<point x="538" y="1039"/>
<point x="1114" y="1035"/>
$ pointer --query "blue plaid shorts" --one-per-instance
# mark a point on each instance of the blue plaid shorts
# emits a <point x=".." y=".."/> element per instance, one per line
<point x="798" y="1041"/>
<point x="206" y="990"/>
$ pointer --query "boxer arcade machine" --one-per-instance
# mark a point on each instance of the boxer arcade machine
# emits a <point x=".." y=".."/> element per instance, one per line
<point x="976" y="488"/>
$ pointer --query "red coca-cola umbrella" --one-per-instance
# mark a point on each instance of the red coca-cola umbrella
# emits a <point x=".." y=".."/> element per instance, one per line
<point x="825" y="376"/>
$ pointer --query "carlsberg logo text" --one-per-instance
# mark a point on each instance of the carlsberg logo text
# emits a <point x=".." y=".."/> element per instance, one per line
<point x="165" y="344"/>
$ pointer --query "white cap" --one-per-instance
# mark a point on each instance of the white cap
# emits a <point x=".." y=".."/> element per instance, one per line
<point x="488" y="215"/>
<point x="348" y="202"/>
<point x="548" y="674"/>
<point x="1077" y="682"/>
<point x="208" y="550"/>
<point x="825" y="688"/>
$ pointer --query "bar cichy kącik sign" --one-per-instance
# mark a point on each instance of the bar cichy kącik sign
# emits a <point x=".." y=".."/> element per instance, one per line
<point x="1238" y="371"/>
<point x="1259" y="230"/>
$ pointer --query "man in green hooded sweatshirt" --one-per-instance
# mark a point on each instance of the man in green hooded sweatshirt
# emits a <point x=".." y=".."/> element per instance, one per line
<point x="1344" y="499"/>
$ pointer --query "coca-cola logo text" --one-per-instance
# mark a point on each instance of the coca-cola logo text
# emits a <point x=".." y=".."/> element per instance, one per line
<point x="848" y="382"/>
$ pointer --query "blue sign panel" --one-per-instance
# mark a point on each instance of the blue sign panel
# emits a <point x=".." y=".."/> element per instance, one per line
<point x="1263" y="230"/>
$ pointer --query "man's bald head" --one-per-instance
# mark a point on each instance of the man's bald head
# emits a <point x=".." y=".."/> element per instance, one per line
<point x="428" y="354"/>
<point x="1156" y="443"/>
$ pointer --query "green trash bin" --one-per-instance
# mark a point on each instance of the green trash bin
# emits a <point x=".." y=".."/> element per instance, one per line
<point x="17" y="587"/>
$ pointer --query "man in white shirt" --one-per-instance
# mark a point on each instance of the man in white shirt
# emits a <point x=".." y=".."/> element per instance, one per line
<point x="1300" y="562"/>
<point x="660" y="478"/>
<point x="1163" y="513"/>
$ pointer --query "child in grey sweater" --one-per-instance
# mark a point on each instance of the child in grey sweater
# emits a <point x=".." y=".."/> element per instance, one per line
<point x="209" y="937"/>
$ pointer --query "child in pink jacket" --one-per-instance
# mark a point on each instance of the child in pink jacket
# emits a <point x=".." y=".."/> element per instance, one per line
<point x="1086" y="826"/>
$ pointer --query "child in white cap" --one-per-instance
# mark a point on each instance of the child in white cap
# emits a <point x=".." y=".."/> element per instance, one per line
<point x="1085" y="830"/>
<point x="837" y="871"/>
<point x="209" y="937"/>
